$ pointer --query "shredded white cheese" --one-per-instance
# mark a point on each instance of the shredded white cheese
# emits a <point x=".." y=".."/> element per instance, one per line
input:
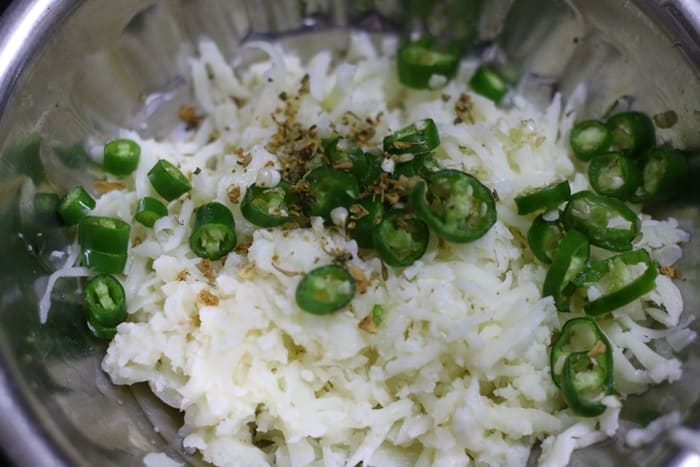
<point x="159" y="459"/>
<point x="686" y="438"/>
<point x="457" y="371"/>
<point x="637" y="437"/>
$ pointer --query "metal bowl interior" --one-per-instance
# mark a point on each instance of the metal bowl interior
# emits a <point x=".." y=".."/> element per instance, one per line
<point x="70" y="70"/>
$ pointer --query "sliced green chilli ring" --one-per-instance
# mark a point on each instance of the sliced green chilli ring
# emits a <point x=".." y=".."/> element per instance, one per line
<point x="168" y="181"/>
<point x="582" y="366"/>
<point x="664" y="175"/>
<point x="214" y="231"/>
<point x="550" y="196"/>
<point x="455" y="204"/>
<point x="612" y="174"/>
<point x="149" y="210"/>
<point x="325" y="289"/>
<point x="401" y="238"/>
<point x="577" y="335"/>
<point x="424" y="64"/>
<point x="106" y="300"/>
<point x="589" y="139"/>
<point x="266" y="206"/>
<point x="328" y="189"/>
<point x="121" y="156"/>
<point x="487" y="82"/>
<point x="104" y="234"/>
<point x="632" y="133"/>
<point x="75" y="206"/>
<point x="607" y="222"/>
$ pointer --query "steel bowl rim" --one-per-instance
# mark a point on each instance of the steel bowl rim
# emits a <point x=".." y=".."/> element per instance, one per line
<point x="24" y="28"/>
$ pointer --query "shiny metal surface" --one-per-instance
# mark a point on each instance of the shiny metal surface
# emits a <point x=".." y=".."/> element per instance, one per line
<point x="70" y="69"/>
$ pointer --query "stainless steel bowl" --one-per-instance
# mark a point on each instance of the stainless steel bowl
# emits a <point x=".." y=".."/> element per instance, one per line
<point x="71" y="68"/>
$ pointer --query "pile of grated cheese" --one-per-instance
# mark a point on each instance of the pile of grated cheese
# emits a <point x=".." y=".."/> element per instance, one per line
<point x="456" y="373"/>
